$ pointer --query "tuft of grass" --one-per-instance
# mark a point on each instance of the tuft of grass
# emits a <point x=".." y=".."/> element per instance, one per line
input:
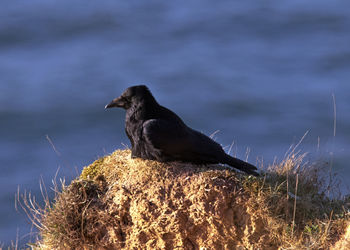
<point x="292" y="196"/>
<point x="73" y="219"/>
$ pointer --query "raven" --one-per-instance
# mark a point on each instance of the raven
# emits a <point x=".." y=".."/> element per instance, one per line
<point x="157" y="133"/>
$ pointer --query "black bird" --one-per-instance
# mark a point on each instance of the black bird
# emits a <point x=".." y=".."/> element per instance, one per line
<point x="156" y="133"/>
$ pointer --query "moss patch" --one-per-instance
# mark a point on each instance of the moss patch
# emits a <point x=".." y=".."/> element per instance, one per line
<point x="93" y="170"/>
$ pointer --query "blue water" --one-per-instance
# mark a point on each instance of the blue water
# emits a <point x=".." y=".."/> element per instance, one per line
<point x="261" y="72"/>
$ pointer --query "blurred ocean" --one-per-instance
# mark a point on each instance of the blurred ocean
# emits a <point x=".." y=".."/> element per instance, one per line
<point x="261" y="72"/>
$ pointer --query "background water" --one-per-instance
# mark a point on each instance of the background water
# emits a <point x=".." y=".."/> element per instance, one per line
<point x="261" y="72"/>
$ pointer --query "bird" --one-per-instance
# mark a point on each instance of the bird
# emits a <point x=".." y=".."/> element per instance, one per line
<point x="157" y="133"/>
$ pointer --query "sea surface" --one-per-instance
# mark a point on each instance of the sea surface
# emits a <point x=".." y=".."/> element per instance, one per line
<point x="261" y="73"/>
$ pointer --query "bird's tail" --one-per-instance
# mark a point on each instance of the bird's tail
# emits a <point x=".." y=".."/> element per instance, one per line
<point x="241" y="165"/>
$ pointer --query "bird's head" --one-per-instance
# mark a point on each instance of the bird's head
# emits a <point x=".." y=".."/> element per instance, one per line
<point x="132" y="95"/>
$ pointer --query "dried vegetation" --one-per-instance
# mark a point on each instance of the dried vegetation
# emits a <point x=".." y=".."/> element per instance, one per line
<point x="125" y="203"/>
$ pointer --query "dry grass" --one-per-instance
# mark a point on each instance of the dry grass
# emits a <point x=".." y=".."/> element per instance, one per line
<point x="73" y="218"/>
<point x="81" y="215"/>
<point x="293" y="198"/>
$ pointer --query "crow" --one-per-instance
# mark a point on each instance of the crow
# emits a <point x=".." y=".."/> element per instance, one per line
<point x="157" y="133"/>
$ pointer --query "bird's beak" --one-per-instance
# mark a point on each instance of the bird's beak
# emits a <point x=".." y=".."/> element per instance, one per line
<point x="117" y="102"/>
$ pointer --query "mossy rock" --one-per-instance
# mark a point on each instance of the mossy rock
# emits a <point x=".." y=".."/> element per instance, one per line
<point x="93" y="170"/>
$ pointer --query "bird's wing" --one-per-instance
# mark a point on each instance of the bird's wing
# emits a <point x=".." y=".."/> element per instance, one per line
<point x="172" y="138"/>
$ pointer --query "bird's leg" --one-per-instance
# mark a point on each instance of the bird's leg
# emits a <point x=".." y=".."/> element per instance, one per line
<point x="133" y="147"/>
<point x="133" y="153"/>
<point x="136" y="150"/>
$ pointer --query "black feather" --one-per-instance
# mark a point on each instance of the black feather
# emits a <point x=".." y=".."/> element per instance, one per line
<point x="157" y="133"/>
